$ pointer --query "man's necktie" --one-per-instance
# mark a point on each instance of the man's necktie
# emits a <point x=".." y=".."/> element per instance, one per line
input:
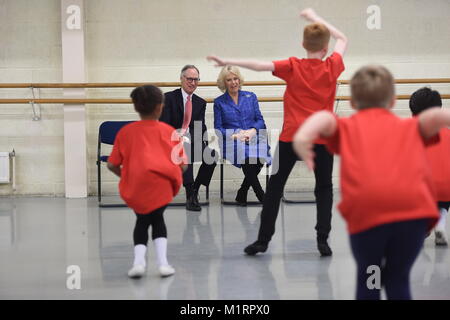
<point x="187" y="115"/>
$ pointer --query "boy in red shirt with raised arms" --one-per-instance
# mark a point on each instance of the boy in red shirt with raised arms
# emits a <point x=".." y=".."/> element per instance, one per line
<point x="148" y="163"/>
<point x="388" y="198"/>
<point x="310" y="87"/>
<point x="438" y="156"/>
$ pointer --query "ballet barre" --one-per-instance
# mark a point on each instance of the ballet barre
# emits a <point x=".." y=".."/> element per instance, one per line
<point x="128" y="101"/>
<point x="168" y="84"/>
<point x="176" y="84"/>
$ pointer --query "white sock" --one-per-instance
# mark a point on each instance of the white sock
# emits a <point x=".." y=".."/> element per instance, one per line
<point x="139" y="255"/>
<point x="161" y="251"/>
<point x="442" y="220"/>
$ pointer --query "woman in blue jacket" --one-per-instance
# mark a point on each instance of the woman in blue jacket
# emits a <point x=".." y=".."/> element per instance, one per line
<point x="241" y="130"/>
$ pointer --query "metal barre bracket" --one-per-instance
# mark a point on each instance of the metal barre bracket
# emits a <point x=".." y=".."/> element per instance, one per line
<point x="36" y="117"/>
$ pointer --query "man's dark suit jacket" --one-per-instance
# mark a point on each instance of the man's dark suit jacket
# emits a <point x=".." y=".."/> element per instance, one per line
<point x="173" y="113"/>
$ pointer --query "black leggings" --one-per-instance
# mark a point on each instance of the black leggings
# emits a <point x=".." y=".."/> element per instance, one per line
<point x="285" y="158"/>
<point x="444" y="205"/>
<point x="143" y="222"/>
<point x="392" y="248"/>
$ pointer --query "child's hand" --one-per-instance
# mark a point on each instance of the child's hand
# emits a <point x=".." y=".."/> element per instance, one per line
<point x="304" y="149"/>
<point x="219" y="62"/>
<point x="308" y="14"/>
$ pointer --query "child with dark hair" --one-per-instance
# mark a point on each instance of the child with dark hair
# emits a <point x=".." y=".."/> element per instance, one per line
<point x="387" y="192"/>
<point x="148" y="162"/>
<point x="438" y="156"/>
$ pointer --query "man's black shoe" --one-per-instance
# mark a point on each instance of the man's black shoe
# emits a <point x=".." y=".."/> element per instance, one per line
<point x="192" y="202"/>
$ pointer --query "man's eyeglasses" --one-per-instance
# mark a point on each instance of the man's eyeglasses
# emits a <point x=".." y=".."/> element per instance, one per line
<point x="192" y="79"/>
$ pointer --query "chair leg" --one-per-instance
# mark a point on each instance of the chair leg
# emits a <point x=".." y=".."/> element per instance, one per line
<point x="221" y="181"/>
<point x="99" y="186"/>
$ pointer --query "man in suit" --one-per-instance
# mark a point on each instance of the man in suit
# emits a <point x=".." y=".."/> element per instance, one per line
<point x="185" y="111"/>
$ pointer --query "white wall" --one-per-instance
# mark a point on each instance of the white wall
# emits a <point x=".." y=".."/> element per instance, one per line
<point x="30" y="51"/>
<point x="150" y="40"/>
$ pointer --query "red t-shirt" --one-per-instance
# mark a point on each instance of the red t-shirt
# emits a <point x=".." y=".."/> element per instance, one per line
<point x="149" y="177"/>
<point x="310" y="87"/>
<point x="385" y="176"/>
<point x="439" y="156"/>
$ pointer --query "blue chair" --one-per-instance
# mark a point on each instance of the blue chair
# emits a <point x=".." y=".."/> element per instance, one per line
<point x="106" y="135"/>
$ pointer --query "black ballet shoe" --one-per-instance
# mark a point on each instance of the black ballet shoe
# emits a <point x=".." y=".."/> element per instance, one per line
<point x="324" y="249"/>
<point x="254" y="248"/>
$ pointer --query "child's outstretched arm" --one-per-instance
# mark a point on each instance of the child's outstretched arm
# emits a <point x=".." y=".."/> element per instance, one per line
<point x="115" y="169"/>
<point x="249" y="64"/>
<point x="320" y="124"/>
<point x="341" y="40"/>
<point x="432" y="120"/>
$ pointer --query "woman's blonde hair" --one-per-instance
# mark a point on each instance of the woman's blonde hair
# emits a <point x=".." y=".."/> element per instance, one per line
<point x="224" y="73"/>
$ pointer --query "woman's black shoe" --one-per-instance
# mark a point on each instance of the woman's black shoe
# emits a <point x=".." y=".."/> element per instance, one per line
<point x="241" y="197"/>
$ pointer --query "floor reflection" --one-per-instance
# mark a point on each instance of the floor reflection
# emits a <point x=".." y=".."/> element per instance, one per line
<point x="41" y="237"/>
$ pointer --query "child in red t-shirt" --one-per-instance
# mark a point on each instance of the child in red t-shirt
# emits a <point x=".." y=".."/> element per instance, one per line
<point x="148" y="161"/>
<point x="388" y="197"/>
<point x="310" y="87"/>
<point x="439" y="158"/>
